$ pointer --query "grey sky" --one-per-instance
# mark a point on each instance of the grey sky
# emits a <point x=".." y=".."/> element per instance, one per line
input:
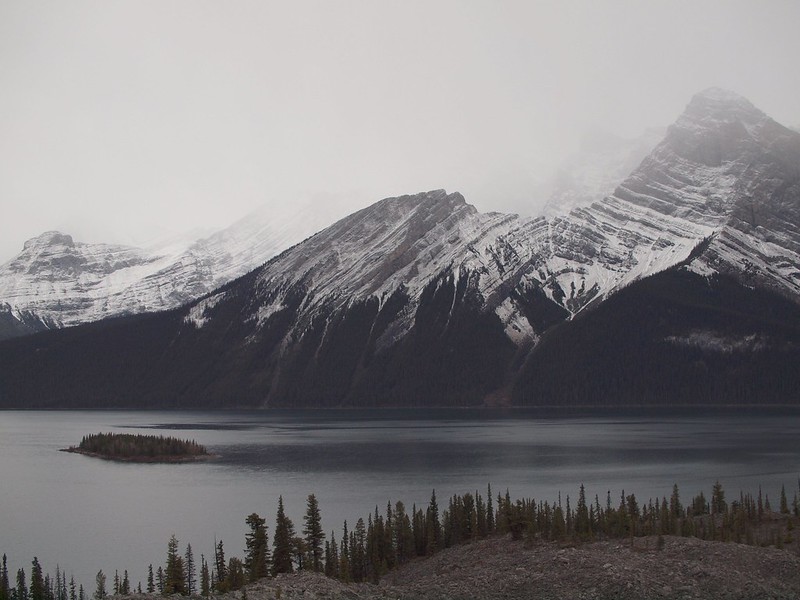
<point x="121" y="120"/>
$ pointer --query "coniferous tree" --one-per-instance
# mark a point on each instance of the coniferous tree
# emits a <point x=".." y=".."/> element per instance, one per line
<point x="37" y="589"/>
<point x="116" y="583"/>
<point x="784" y="502"/>
<point x="344" y="557"/>
<point x="236" y="577"/>
<point x="4" y="583"/>
<point x="160" y="579"/>
<point x="256" y="558"/>
<point x="73" y="595"/>
<point x="100" y="592"/>
<point x="125" y="586"/>
<point x="221" y="567"/>
<point x="151" y="585"/>
<point x="205" y="578"/>
<point x="175" y="578"/>
<point x="314" y="536"/>
<point x="718" y="504"/>
<point x="282" y="542"/>
<point x="434" y="526"/>
<point x="22" y="585"/>
<point x="189" y="570"/>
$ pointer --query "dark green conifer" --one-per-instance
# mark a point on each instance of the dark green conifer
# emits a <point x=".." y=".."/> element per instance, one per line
<point x="314" y="536"/>
<point x="37" y="589"/>
<point x="189" y="570"/>
<point x="205" y="578"/>
<point x="151" y="584"/>
<point x="175" y="577"/>
<point x="256" y="557"/>
<point x="282" y="543"/>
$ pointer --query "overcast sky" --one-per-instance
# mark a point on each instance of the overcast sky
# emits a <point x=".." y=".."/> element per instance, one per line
<point x="123" y="120"/>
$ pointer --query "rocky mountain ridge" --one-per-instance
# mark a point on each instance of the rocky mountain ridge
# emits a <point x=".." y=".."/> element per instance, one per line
<point x="422" y="300"/>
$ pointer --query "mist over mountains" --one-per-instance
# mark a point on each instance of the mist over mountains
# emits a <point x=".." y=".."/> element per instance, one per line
<point x="680" y="287"/>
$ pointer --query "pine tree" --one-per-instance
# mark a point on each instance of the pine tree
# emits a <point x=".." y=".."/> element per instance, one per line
<point x="489" y="510"/>
<point x="125" y="587"/>
<point x="72" y="592"/>
<point x="282" y="543"/>
<point x="256" y="558"/>
<point x="189" y="568"/>
<point x="160" y="579"/>
<point x="784" y="502"/>
<point x="314" y="536"/>
<point x="100" y="586"/>
<point x="116" y="583"/>
<point x="81" y="593"/>
<point x="175" y="578"/>
<point x="151" y="586"/>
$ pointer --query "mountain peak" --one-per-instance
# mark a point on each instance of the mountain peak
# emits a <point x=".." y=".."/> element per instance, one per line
<point x="49" y="238"/>
<point x="716" y="106"/>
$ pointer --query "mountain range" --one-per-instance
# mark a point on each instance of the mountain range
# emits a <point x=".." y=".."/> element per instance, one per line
<point x="57" y="282"/>
<point x="682" y="287"/>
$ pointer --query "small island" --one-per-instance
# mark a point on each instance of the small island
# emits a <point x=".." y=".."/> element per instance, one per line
<point x="127" y="447"/>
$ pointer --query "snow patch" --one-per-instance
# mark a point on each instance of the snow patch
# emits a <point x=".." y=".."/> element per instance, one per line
<point x="198" y="314"/>
<point x="516" y="325"/>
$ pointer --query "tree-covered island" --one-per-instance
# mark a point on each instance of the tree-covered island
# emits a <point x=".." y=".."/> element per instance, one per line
<point x="128" y="447"/>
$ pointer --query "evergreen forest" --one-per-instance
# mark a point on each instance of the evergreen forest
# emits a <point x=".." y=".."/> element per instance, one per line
<point x="387" y="539"/>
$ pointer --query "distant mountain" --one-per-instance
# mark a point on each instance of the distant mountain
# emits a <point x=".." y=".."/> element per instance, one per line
<point x="57" y="282"/>
<point x="680" y="287"/>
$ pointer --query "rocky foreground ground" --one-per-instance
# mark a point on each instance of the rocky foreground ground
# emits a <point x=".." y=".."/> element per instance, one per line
<point x="501" y="569"/>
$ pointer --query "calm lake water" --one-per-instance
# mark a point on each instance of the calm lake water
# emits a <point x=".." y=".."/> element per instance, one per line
<point x="87" y="514"/>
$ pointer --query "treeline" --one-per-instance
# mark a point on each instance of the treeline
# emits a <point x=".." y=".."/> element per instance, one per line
<point x="127" y="445"/>
<point x="388" y="539"/>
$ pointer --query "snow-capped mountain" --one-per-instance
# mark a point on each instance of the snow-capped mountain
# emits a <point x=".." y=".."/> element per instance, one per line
<point x="603" y="162"/>
<point x="57" y="282"/>
<point x="690" y="265"/>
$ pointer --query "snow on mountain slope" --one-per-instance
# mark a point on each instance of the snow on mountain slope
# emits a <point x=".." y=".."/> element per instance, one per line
<point x="602" y="163"/>
<point x="694" y="186"/>
<point x="61" y="282"/>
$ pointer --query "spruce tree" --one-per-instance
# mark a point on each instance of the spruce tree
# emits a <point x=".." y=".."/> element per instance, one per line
<point x="4" y="584"/>
<point x="256" y="557"/>
<point x="175" y="578"/>
<point x="100" y="592"/>
<point x="160" y="579"/>
<point x="784" y="502"/>
<point x="221" y="567"/>
<point x="205" y="578"/>
<point x="22" y="586"/>
<point x="314" y="536"/>
<point x="282" y="543"/>
<point x="37" y="589"/>
<point x="189" y="569"/>
<point x="151" y="585"/>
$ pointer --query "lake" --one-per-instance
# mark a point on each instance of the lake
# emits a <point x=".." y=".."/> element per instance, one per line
<point x="88" y="514"/>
